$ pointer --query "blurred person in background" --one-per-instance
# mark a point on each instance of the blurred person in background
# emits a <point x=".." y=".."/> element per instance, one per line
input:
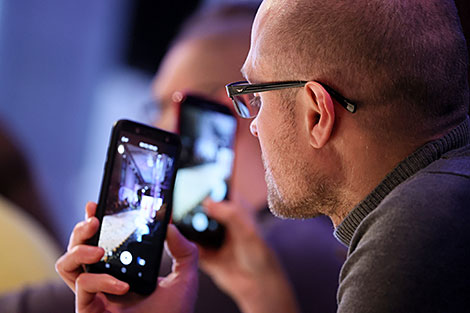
<point x="17" y="183"/>
<point x="28" y="244"/>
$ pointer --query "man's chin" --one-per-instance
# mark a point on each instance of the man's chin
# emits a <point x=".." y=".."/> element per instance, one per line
<point x="288" y="211"/>
<point x="277" y="204"/>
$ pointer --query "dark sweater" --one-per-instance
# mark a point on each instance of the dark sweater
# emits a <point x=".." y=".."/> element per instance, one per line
<point x="409" y="240"/>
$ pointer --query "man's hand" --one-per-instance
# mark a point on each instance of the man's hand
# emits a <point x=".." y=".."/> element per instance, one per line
<point x="101" y="292"/>
<point x="245" y="267"/>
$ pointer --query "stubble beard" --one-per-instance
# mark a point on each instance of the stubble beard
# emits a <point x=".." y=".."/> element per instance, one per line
<point x="313" y="197"/>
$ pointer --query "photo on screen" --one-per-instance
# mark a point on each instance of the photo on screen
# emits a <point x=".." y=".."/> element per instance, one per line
<point x="136" y="206"/>
<point x="207" y="138"/>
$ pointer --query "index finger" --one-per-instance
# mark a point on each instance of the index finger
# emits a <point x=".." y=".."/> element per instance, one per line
<point x="85" y="229"/>
<point x="90" y="209"/>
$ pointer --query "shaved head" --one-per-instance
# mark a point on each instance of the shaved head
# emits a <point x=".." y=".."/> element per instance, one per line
<point x="403" y="61"/>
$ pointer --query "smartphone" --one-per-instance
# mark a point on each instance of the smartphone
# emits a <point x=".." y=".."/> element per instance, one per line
<point x="135" y="202"/>
<point x="207" y="130"/>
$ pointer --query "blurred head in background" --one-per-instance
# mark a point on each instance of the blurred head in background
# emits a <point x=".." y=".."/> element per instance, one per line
<point x="206" y="55"/>
<point x="17" y="183"/>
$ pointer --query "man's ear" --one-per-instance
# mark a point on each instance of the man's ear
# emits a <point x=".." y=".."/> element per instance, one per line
<point x="320" y="114"/>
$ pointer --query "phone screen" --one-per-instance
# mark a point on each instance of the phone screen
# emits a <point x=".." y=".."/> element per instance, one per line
<point x="135" y="205"/>
<point x="207" y="132"/>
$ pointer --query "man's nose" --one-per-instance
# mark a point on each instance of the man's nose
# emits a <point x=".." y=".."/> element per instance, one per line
<point x="253" y="127"/>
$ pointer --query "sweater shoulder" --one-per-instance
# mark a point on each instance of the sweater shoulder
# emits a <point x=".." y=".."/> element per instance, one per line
<point x="416" y="239"/>
<point x="436" y="196"/>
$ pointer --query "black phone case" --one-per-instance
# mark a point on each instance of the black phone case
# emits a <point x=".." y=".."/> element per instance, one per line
<point x="214" y="238"/>
<point x="137" y="285"/>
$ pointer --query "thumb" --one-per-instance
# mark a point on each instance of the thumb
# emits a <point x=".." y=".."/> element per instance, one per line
<point x="236" y="219"/>
<point x="183" y="252"/>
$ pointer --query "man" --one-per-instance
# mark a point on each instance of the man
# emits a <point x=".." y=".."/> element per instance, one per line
<point x="209" y="52"/>
<point x="394" y="176"/>
<point x="373" y="133"/>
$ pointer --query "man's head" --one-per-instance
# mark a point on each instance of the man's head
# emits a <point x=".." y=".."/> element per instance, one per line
<point x="403" y="62"/>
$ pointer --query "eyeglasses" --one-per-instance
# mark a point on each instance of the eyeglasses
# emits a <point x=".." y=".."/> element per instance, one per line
<point x="248" y="105"/>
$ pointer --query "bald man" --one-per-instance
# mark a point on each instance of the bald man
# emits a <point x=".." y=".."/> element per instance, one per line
<point x="360" y="109"/>
<point x="208" y="53"/>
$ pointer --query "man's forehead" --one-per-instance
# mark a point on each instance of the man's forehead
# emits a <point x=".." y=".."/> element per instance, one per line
<point x="251" y="66"/>
<point x="256" y="68"/>
<point x="253" y="69"/>
<point x="246" y="70"/>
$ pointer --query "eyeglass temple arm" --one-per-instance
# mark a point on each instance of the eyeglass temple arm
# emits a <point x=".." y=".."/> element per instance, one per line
<point x="241" y="89"/>
<point x="347" y="104"/>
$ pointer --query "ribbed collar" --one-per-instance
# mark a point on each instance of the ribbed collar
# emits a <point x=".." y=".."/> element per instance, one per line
<point x="425" y="155"/>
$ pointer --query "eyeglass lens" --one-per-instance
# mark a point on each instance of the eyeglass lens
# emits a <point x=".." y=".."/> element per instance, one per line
<point x="247" y="105"/>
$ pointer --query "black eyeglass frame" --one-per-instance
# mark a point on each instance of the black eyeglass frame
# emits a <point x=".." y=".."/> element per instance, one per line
<point x="244" y="87"/>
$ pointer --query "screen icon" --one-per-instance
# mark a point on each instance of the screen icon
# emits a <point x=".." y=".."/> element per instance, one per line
<point x="126" y="257"/>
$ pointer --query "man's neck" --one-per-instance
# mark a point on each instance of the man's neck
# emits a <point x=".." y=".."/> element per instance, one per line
<point x="366" y="165"/>
<point x="422" y="157"/>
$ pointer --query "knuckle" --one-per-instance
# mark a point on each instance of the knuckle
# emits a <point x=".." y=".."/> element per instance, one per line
<point x="79" y="226"/>
<point x="74" y="250"/>
<point x="58" y="265"/>
<point x="77" y="251"/>
<point x="81" y="280"/>
<point x="70" y="245"/>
